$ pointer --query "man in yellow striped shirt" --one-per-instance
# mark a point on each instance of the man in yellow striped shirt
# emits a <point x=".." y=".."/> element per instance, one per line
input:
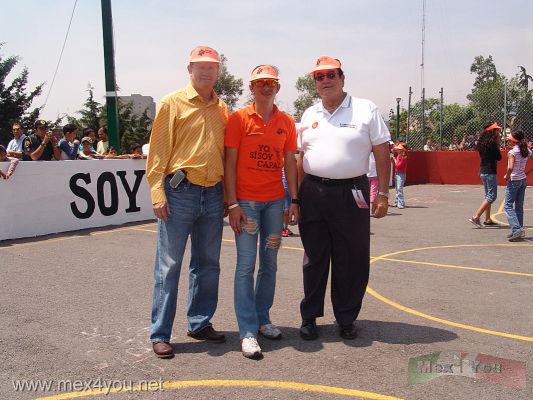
<point x="187" y="140"/>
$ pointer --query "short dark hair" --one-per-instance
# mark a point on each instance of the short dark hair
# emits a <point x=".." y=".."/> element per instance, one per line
<point x="68" y="128"/>
<point x="134" y="146"/>
<point x="104" y="129"/>
<point x="86" y="131"/>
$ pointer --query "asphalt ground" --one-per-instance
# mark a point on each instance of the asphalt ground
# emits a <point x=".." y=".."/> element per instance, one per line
<point x="75" y="308"/>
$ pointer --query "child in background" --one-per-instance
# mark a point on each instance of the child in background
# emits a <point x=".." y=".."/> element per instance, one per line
<point x="516" y="184"/>
<point x="13" y="162"/>
<point x="400" y="166"/>
<point x="372" y="180"/>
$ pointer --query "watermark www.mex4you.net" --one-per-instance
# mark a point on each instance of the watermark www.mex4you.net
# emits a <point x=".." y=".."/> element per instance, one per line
<point x="105" y="386"/>
<point x="481" y="367"/>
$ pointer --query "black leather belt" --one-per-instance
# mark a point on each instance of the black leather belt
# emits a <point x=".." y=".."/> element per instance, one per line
<point x="329" y="181"/>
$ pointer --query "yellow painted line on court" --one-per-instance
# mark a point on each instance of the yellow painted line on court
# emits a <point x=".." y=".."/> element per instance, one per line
<point x="73" y="237"/>
<point x="372" y="292"/>
<point x="497" y="271"/>
<point x="398" y="306"/>
<point x="501" y="212"/>
<point x="144" y="230"/>
<point x="281" y="385"/>
<point x="386" y="257"/>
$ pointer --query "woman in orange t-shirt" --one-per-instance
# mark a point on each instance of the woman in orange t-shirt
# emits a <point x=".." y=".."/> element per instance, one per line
<point x="260" y="141"/>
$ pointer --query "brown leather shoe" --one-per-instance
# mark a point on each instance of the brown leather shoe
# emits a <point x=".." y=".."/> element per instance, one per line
<point x="163" y="349"/>
<point x="208" y="334"/>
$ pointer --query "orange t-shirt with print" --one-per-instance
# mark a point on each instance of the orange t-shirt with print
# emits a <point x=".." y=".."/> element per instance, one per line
<point x="260" y="152"/>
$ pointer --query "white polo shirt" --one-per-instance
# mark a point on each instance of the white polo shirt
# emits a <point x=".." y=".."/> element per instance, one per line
<point x="338" y="145"/>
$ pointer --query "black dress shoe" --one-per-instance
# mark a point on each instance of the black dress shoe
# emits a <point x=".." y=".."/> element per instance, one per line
<point x="348" y="332"/>
<point x="308" y="330"/>
<point x="208" y="334"/>
<point x="163" y="349"/>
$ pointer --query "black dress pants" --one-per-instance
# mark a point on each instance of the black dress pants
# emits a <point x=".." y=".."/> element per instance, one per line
<point x="334" y="229"/>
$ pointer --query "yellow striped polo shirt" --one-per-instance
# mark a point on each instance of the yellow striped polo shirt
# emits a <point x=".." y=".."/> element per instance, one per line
<point x="187" y="134"/>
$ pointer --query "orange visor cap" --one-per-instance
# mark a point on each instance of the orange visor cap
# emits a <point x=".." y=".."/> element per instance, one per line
<point x="492" y="127"/>
<point x="264" y="72"/>
<point x="204" y="54"/>
<point x="325" y="63"/>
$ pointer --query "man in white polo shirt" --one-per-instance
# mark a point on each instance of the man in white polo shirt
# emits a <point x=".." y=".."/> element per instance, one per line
<point x="335" y="139"/>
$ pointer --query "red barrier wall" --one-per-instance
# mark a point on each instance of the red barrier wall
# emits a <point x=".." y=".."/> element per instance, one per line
<point x="452" y="167"/>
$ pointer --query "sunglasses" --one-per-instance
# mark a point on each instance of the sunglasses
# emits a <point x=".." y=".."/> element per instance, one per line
<point x="265" y="82"/>
<point x="330" y="75"/>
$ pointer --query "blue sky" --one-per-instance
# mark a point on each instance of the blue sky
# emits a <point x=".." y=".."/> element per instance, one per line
<point x="378" y="42"/>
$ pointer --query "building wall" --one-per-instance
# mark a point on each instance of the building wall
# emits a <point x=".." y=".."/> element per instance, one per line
<point x="140" y="103"/>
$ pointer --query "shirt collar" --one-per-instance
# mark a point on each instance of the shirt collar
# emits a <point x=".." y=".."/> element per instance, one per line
<point x="250" y="110"/>
<point x="191" y="93"/>
<point x="346" y="103"/>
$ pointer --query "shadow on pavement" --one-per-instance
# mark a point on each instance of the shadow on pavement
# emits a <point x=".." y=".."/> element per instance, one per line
<point x="368" y="331"/>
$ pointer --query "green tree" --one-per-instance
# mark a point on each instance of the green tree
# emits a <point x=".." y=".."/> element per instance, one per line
<point x="524" y="78"/>
<point x="15" y="103"/>
<point x="137" y="130"/>
<point x="133" y="128"/>
<point x="90" y="114"/>
<point x="307" y="95"/>
<point x="485" y="70"/>
<point x="228" y="88"/>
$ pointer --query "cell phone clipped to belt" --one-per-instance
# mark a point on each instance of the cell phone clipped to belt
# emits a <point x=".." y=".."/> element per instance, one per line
<point x="176" y="179"/>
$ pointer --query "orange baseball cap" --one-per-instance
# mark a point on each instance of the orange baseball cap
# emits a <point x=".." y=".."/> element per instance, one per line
<point x="204" y="54"/>
<point x="325" y="63"/>
<point x="400" y="146"/>
<point x="264" y="71"/>
<point x="492" y="127"/>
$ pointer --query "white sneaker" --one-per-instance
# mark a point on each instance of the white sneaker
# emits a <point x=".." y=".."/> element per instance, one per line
<point x="250" y="347"/>
<point x="270" y="331"/>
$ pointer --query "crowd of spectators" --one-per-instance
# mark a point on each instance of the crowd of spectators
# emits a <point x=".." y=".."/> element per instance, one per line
<point x="45" y="144"/>
<point x="468" y="142"/>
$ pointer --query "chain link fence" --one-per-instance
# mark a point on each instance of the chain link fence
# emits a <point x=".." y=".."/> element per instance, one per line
<point x="456" y="126"/>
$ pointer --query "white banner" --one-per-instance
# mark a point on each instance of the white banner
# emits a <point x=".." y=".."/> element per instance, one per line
<point x="43" y="197"/>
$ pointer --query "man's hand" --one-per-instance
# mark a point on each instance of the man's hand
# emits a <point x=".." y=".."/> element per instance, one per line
<point x="236" y="215"/>
<point x="380" y="206"/>
<point x="294" y="214"/>
<point x="161" y="210"/>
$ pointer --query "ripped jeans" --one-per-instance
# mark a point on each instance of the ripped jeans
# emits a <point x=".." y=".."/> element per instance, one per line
<point x="252" y="306"/>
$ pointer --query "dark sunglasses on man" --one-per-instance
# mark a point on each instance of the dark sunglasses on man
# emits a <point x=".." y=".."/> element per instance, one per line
<point x="330" y="75"/>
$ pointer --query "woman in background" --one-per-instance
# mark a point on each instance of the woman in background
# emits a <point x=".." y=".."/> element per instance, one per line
<point x="488" y="146"/>
<point x="516" y="184"/>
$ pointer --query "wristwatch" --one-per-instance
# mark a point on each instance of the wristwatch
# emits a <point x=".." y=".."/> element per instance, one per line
<point x="295" y="201"/>
<point x="385" y="194"/>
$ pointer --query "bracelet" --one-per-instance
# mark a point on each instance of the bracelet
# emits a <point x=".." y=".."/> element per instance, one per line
<point x="295" y="201"/>
<point x="235" y="205"/>
<point x="384" y="194"/>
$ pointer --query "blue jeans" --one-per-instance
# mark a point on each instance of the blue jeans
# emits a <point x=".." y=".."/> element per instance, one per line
<point x="196" y="211"/>
<point x="515" y="194"/>
<point x="400" y="182"/>
<point x="252" y="307"/>
<point x="490" y="184"/>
